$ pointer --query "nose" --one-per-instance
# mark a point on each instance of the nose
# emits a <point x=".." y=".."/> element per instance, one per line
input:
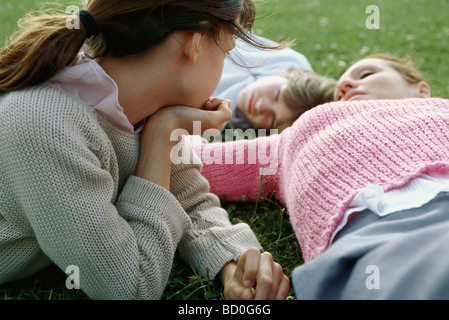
<point x="264" y="106"/>
<point x="343" y="87"/>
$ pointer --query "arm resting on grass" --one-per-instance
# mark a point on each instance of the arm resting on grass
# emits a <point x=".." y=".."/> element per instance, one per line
<point x="242" y="169"/>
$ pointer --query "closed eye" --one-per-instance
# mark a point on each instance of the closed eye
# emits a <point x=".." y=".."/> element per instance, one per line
<point x="366" y="74"/>
<point x="278" y="94"/>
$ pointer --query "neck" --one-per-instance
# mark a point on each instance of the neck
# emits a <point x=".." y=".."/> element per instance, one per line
<point x="142" y="83"/>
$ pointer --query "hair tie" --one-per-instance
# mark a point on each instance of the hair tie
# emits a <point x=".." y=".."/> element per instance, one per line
<point x="89" y="23"/>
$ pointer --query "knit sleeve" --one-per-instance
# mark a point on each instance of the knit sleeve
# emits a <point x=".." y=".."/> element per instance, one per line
<point x="124" y="250"/>
<point x="213" y="240"/>
<point x="242" y="169"/>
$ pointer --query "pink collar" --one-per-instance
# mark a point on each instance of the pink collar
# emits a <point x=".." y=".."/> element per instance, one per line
<point x="89" y="82"/>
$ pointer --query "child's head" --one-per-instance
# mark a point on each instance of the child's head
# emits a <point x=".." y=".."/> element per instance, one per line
<point x="46" y="43"/>
<point x="277" y="101"/>
<point x="381" y="76"/>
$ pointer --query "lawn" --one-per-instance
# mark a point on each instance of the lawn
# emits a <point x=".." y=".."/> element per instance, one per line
<point x="331" y="34"/>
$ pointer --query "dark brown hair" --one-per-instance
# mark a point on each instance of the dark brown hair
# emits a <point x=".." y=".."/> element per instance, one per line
<point x="44" y="44"/>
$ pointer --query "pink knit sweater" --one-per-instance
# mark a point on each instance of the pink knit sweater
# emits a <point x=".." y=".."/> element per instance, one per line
<point x="329" y="155"/>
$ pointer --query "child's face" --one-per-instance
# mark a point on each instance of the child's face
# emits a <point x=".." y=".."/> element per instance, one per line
<point x="373" y="79"/>
<point x="262" y="104"/>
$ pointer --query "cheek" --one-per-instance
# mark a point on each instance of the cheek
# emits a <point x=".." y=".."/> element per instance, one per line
<point x="390" y="88"/>
<point x="256" y="120"/>
<point x="215" y="69"/>
<point x="218" y="71"/>
<point x="241" y="98"/>
<point x="244" y="96"/>
<point x="211" y="77"/>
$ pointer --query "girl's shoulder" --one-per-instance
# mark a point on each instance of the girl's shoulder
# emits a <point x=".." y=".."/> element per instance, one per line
<point x="47" y="113"/>
<point x="45" y="97"/>
<point x="44" y="110"/>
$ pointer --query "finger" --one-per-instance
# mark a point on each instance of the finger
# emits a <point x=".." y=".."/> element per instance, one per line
<point x="278" y="274"/>
<point x="225" y="108"/>
<point x="210" y="104"/>
<point x="222" y="114"/>
<point x="281" y="283"/>
<point x="248" y="294"/>
<point x="264" y="277"/>
<point x="249" y="266"/>
<point x="283" y="289"/>
<point x="234" y="288"/>
<point x="214" y="118"/>
<point x="236" y="291"/>
<point x="222" y="110"/>
<point x="214" y="103"/>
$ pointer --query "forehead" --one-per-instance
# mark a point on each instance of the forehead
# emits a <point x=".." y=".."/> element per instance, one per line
<point x="271" y="80"/>
<point x="377" y="64"/>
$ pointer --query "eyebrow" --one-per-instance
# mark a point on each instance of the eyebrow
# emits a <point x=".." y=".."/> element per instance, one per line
<point x="366" y="66"/>
<point x="356" y="70"/>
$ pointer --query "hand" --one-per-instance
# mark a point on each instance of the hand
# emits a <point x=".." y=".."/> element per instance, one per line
<point x="212" y="115"/>
<point x="157" y="141"/>
<point x="255" y="276"/>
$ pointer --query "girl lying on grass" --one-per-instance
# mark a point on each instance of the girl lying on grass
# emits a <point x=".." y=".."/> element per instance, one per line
<point x="365" y="181"/>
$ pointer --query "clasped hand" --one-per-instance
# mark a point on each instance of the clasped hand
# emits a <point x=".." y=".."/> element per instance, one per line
<point x="255" y="276"/>
<point x="213" y="114"/>
<point x="156" y="142"/>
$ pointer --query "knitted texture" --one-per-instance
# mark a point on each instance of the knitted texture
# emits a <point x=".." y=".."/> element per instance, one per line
<point x="242" y="169"/>
<point x="334" y="151"/>
<point x="68" y="196"/>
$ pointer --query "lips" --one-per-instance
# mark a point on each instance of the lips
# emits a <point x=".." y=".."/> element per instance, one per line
<point x="250" y="104"/>
<point x="352" y="95"/>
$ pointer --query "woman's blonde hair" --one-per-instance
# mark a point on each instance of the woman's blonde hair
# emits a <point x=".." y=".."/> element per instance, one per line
<point x="44" y="43"/>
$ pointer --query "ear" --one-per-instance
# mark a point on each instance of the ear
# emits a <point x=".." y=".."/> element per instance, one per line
<point x="193" y="46"/>
<point x="424" y="90"/>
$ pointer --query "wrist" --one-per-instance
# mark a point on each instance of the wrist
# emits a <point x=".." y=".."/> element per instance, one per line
<point x="155" y="148"/>
<point x="158" y="129"/>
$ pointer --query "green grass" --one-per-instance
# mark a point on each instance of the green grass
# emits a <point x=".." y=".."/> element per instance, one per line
<point x="331" y="34"/>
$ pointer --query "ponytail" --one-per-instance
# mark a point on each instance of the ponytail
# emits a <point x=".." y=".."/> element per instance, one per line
<point x="43" y="47"/>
